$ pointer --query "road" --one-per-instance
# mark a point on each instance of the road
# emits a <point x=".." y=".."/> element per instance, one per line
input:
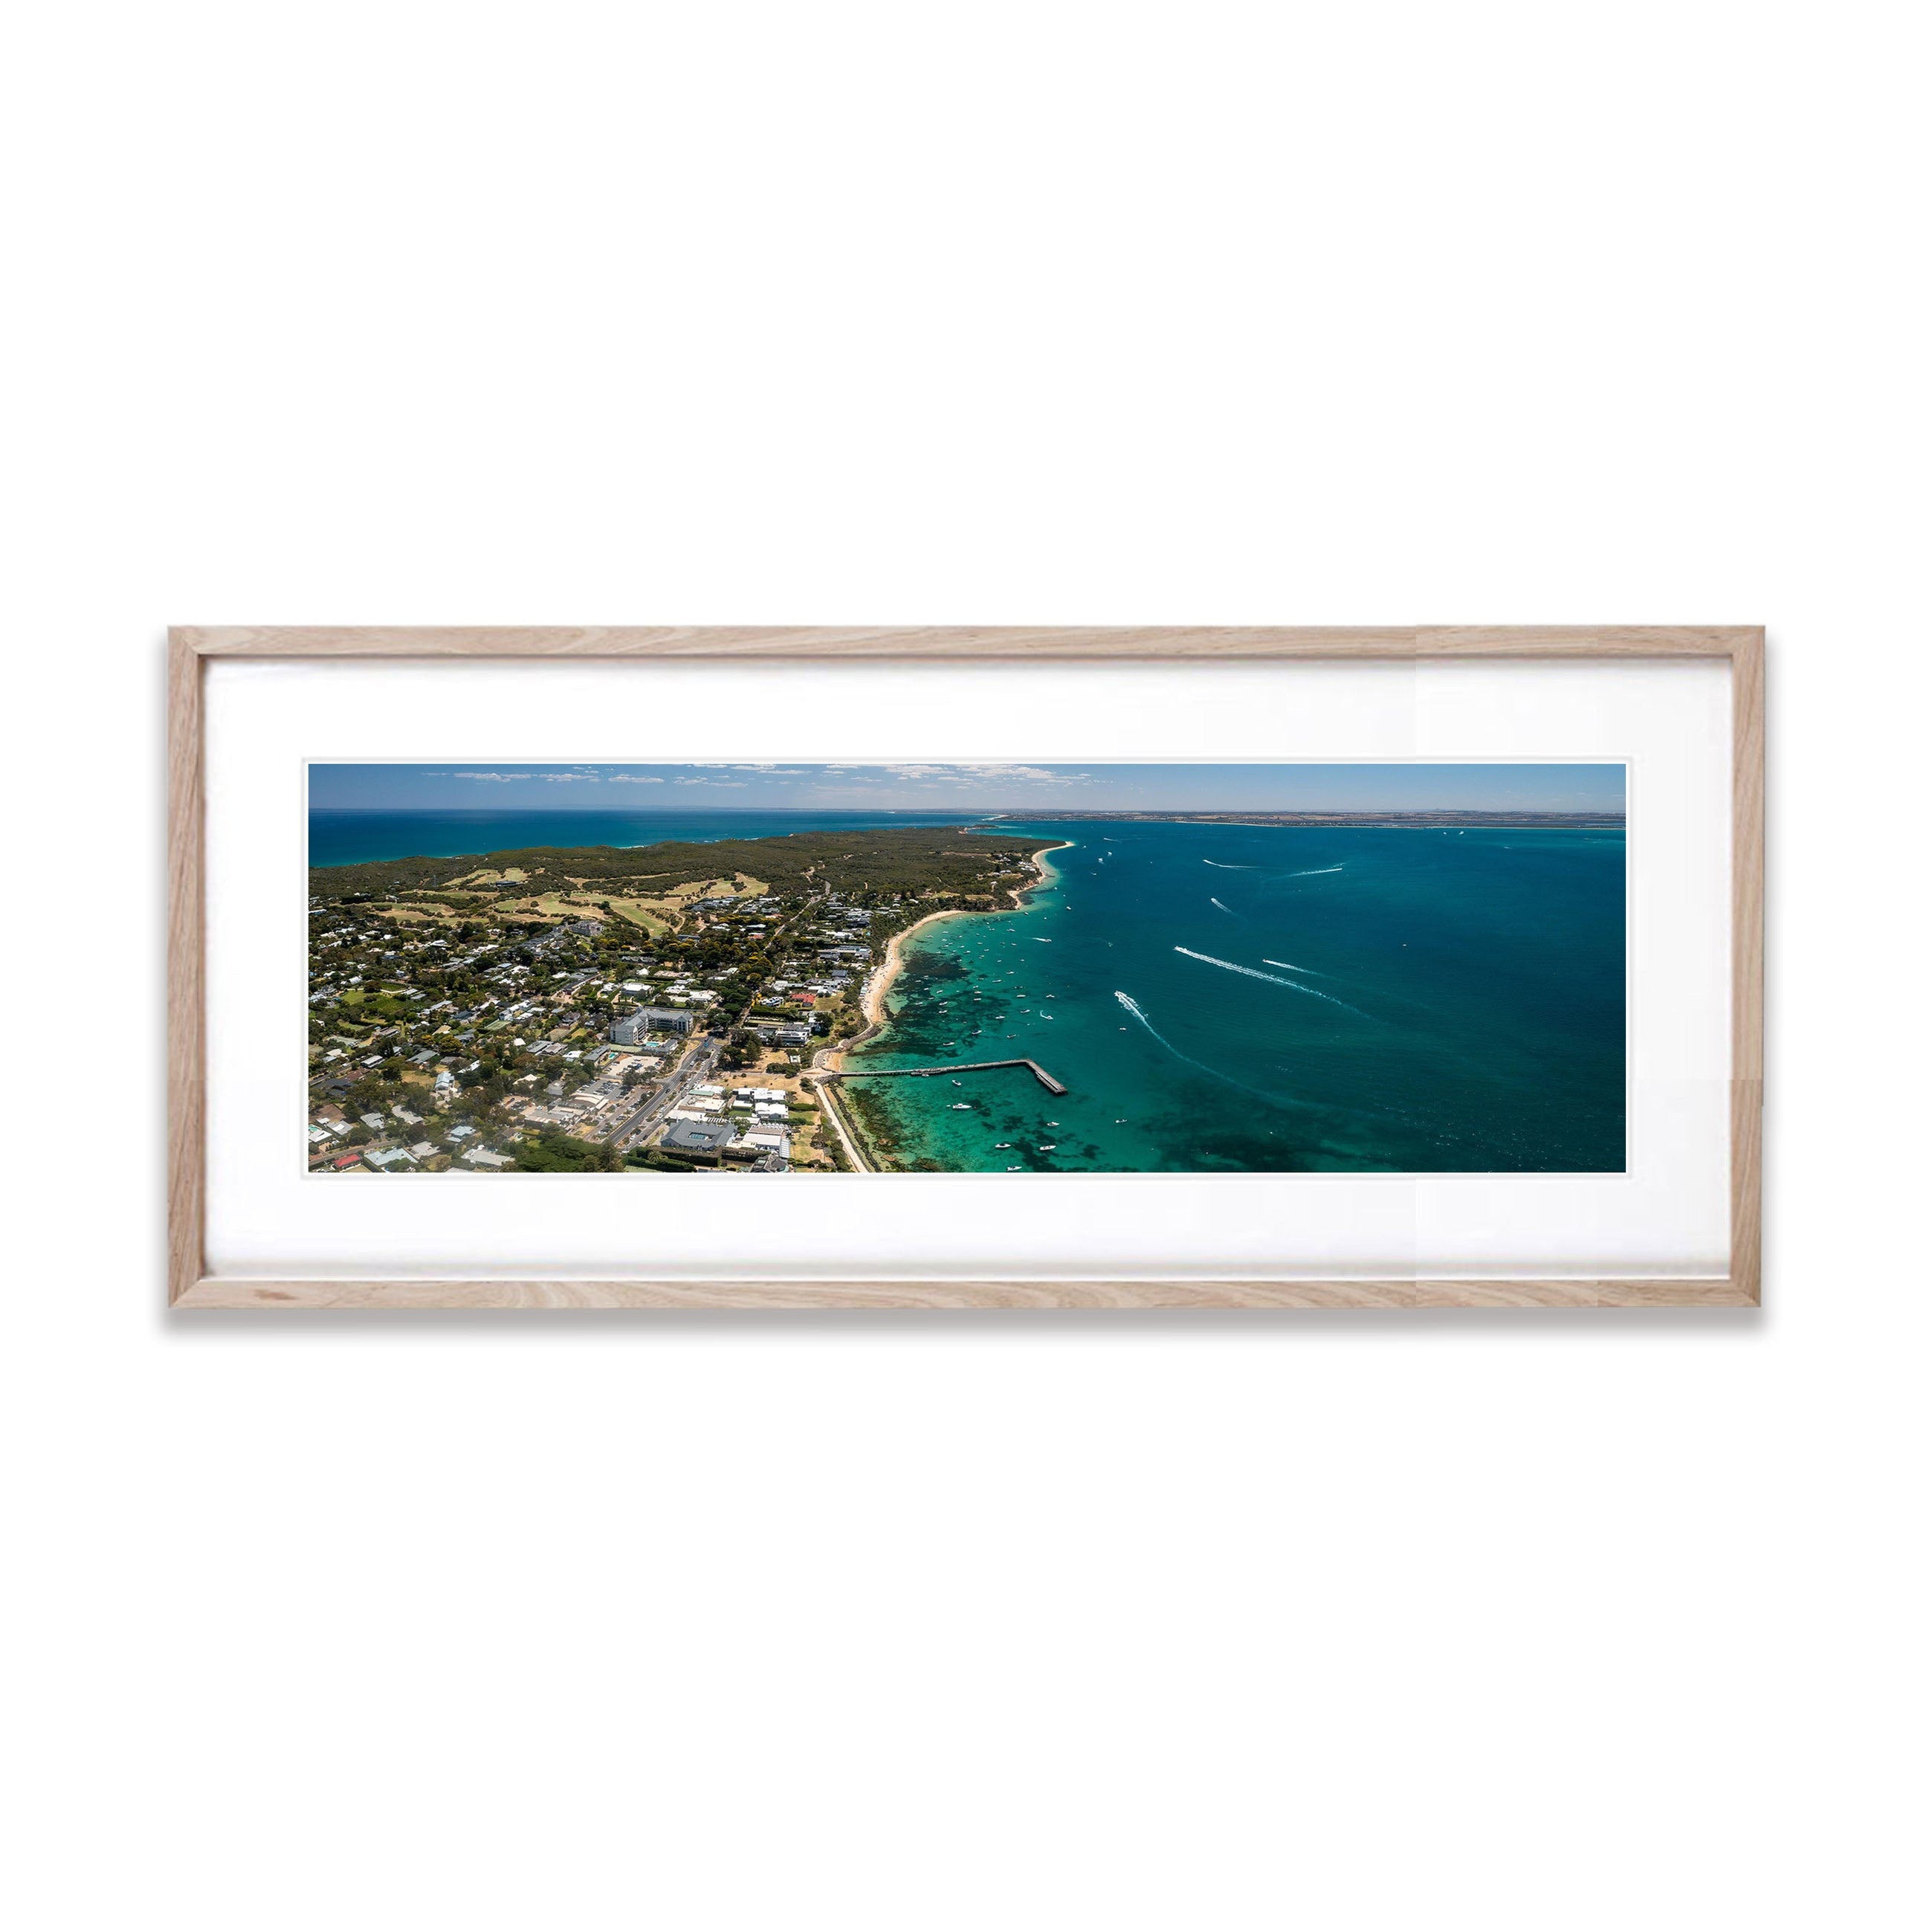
<point x="828" y="1109"/>
<point x="694" y="1066"/>
<point x="699" y="1063"/>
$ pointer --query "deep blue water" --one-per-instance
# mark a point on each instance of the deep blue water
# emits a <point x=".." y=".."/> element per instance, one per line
<point x="1220" y="998"/>
<point x="1405" y="1001"/>
<point x="338" y="838"/>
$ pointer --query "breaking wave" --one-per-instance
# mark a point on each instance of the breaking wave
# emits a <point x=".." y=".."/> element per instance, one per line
<point x="1273" y="979"/>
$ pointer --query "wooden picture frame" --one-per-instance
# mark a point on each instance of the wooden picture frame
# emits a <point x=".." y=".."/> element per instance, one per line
<point x="192" y="649"/>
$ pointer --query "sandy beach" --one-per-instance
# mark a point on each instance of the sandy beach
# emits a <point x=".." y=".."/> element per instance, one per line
<point x="872" y="999"/>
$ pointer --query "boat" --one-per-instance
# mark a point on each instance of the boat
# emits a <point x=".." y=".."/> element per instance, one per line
<point x="1000" y="1147"/>
<point x="1047" y="1147"/>
<point x="962" y="1106"/>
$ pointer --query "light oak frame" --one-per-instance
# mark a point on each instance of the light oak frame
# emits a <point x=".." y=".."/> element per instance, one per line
<point x="189" y="649"/>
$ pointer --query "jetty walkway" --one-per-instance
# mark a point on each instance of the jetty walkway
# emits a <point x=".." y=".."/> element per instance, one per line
<point x="1034" y="1067"/>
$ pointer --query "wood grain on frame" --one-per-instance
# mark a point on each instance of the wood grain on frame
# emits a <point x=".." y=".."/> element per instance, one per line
<point x="1061" y="642"/>
<point x="187" y="1055"/>
<point x="1747" y="805"/>
<point x="190" y="1288"/>
<point x="1067" y="1292"/>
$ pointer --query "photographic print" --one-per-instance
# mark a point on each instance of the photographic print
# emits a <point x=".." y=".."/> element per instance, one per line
<point x="663" y="970"/>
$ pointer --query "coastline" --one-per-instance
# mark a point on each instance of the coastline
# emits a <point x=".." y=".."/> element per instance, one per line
<point x="872" y="997"/>
<point x="872" y="1002"/>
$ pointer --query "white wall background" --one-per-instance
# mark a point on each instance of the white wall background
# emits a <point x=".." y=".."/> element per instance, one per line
<point x="1048" y="312"/>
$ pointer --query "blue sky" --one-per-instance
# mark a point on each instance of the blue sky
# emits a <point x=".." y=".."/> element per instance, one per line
<point x="913" y="786"/>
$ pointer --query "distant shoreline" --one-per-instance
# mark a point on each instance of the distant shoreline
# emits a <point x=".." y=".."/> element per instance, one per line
<point x="585" y="828"/>
<point x="344" y="837"/>
<point x="1349" y="821"/>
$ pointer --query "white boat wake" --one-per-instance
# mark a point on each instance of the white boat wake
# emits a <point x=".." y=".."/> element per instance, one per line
<point x="1315" y="874"/>
<point x="1273" y="979"/>
<point x="1213" y="1073"/>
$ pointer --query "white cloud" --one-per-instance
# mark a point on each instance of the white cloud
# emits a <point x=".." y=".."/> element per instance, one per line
<point x="974" y="774"/>
<point x="851" y="771"/>
<point x="1029" y="774"/>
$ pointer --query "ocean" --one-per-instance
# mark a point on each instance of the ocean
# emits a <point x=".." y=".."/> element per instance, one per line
<point x="340" y="838"/>
<point x="1216" y="998"/>
<point x="1241" y="999"/>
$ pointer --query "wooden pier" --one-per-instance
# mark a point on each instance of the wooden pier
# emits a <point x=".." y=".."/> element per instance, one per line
<point x="1034" y="1067"/>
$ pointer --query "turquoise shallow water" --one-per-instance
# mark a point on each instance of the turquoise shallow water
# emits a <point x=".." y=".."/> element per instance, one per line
<point x="1272" y="999"/>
